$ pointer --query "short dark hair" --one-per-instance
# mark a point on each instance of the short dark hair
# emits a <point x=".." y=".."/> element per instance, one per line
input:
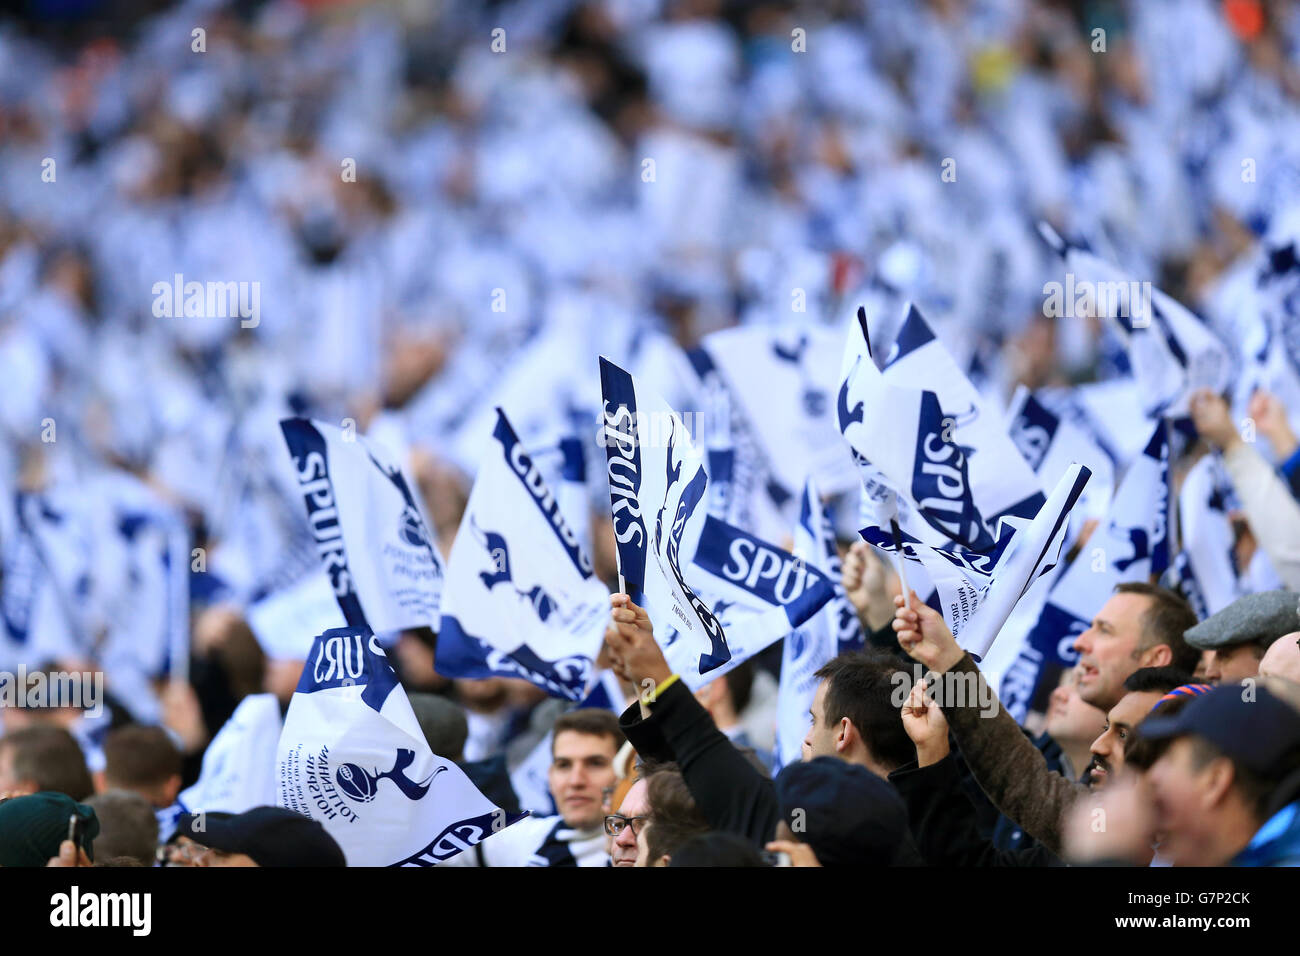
<point x="1164" y="622"/>
<point x="139" y="756"/>
<point x="52" y="758"/>
<point x="1146" y="680"/>
<point x="860" y="686"/>
<point x="593" y="721"/>
<point x="1257" y="789"/>
<point x="127" y="826"/>
<point x="674" y="817"/>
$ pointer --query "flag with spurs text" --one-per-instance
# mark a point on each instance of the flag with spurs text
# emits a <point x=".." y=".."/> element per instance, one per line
<point x="369" y="529"/>
<point x="352" y="756"/>
<point x="656" y="486"/>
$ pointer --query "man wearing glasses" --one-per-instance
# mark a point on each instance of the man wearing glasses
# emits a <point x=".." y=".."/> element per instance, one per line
<point x="623" y="827"/>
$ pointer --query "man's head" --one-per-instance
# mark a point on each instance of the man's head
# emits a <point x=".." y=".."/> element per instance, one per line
<point x="443" y="724"/>
<point x="583" y="748"/>
<point x="853" y="714"/>
<point x="1143" y="689"/>
<point x="1140" y="626"/>
<point x="1282" y="659"/>
<point x="44" y="758"/>
<point x="1218" y="780"/>
<point x="127" y="826"/>
<point x="1236" y="638"/>
<point x="846" y="813"/>
<point x="1070" y="718"/>
<point x="674" y="818"/>
<point x="634" y="811"/>
<point x="262" y="836"/>
<point x="142" y="760"/>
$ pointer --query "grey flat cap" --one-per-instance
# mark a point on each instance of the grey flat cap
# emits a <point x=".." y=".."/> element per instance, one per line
<point x="1265" y="616"/>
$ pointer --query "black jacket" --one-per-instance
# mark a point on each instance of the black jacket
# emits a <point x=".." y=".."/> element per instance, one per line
<point x="944" y="821"/>
<point x="730" y="792"/>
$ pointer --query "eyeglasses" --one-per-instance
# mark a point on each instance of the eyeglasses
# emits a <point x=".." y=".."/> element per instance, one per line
<point x="615" y="822"/>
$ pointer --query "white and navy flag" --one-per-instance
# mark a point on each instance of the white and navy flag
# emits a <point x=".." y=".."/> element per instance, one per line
<point x="907" y="452"/>
<point x="1050" y="443"/>
<point x="656" y="486"/>
<point x="1171" y="351"/>
<point x="352" y="756"/>
<point x="759" y="591"/>
<point x="519" y="582"/>
<point x="1131" y="544"/>
<point x="369" y="529"/>
<point x="780" y="387"/>
<point x="999" y="483"/>
<point x="1206" y="570"/>
<point x="239" y="765"/>
<point x="831" y="631"/>
<point x="976" y="591"/>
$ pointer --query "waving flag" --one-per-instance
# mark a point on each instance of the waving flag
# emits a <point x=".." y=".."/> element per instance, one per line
<point x="907" y="452"/>
<point x="238" y="771"/>
<point x="352" y="756"/>
<point x="759" y="591"/>
<point x="1050" y="443"/>
<point x="519" y="581"/>
<point x="370" y="531"/>
<point x="656" y="484"/>
<point x="977" y="591"/>
<point x="1000" y="483"/>
<point x="1172" y="352"/>
<point x="831" y="631"/>
<point x="1206" y="570"/>
<point x="1130" y="545"/>
<point x="781" y="387"/>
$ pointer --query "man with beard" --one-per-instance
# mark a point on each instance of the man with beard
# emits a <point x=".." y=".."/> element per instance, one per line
<point x="1140" y="626"/>
<point x="944" y="819"/>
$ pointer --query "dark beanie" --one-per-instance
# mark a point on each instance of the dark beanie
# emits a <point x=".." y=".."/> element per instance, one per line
<point x="32" y="827"/>
<point x="271" y="836"/>
<point x="847" y="814"/>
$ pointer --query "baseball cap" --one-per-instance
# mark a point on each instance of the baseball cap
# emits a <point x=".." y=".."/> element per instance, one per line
<point x="1256" y="732"/>
<point x="271" y="836"/>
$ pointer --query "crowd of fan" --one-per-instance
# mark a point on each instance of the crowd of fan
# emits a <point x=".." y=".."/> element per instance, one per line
<point x="780" y="161"/>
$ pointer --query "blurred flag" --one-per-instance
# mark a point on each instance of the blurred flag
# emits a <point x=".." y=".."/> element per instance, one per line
<point x="239" y="765"/>
<point x="519" y="581"/>
<point x="369" y="530"/>
<point x="1171" y="351"/>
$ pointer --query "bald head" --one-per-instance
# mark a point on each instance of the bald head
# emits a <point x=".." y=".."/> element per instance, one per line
<point x="1282" y="659"/>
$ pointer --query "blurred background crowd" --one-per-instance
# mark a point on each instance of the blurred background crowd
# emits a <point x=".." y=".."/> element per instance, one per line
<point x="450" y="205"/>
